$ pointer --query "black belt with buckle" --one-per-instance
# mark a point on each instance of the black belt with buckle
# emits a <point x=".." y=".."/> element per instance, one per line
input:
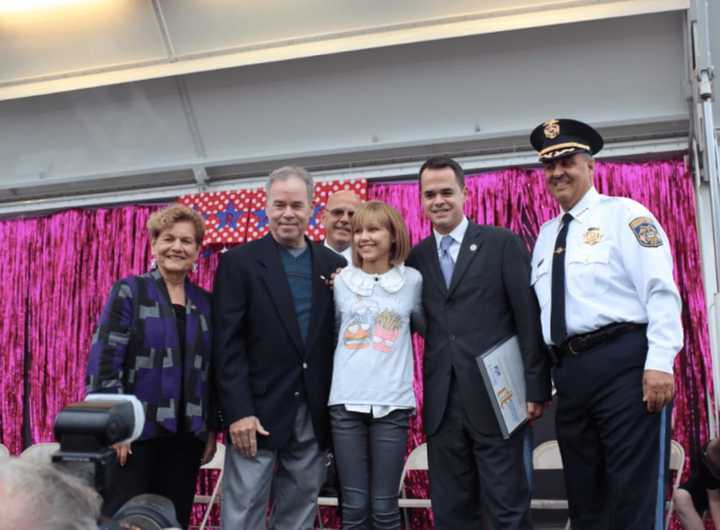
<point x="578" y="344"/>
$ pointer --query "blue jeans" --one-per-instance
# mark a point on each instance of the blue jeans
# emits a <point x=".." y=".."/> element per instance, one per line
<point x="369" y="454"/>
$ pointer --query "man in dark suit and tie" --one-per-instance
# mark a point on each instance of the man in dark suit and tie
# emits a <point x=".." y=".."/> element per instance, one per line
<point x="274" y="331"/>
<point x="476" y="292"/>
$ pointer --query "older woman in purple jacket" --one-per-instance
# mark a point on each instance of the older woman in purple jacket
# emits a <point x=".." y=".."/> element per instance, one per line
<point x="153" y="341"/>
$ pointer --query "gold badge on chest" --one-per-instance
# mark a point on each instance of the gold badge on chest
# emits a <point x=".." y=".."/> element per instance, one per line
<point x="592" y="236"/>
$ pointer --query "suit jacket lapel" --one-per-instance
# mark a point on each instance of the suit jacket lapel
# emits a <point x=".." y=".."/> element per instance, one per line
<point x="468" y="250"/>
<point x="320" y="298"/>
<point x="275" y="279"/>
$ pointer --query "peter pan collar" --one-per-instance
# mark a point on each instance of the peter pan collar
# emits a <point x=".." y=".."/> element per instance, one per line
<point x="362" y="283"/>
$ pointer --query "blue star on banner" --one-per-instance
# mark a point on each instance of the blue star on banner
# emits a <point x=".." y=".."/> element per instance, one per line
<point x="314" y="216"/>
<point x="229" y="216"/>
<point x="262" y="219"/>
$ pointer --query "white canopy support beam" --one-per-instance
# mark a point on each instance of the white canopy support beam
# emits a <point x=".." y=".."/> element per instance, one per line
<point x="701" y="27"/>
<point x="201" y="178"/>
<point x="385" y="172"/>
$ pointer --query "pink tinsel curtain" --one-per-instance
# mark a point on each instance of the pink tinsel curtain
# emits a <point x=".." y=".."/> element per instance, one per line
<point x="58" y="270"/>
<point x="18" y="238"/>
<point x="76" y="258"/>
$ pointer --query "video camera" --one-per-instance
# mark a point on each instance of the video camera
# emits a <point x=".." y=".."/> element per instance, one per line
<point x="87" y="431"/>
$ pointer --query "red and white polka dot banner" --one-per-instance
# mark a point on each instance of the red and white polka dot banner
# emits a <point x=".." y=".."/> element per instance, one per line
<point x="239" y="216"/>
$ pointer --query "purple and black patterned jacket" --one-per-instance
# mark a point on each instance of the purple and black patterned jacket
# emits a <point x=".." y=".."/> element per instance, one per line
<point x="135" y="350"/>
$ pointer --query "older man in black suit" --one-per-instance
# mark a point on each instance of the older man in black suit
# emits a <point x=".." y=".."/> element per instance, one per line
<point x="274" y="340"/>
<point x="476" y="292"/>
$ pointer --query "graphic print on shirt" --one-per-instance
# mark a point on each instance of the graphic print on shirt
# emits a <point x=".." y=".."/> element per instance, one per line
<point x="357" y="332"/>
<point x="386" y="331"/>
<point x="369" y="325"/>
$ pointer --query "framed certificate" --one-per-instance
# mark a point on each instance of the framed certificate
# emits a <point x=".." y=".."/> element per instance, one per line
<point x="503" y="371"/>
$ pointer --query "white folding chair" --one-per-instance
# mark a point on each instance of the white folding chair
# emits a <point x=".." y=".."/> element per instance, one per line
<point x="4" y="451"/>
<point x="417" y="460"/>
<point x="325" y="501"/>
<point x="546" y="457"/>
<point x="40" y="452"/>
<point x="677" y="462"/>
<point x="217" y="462"/>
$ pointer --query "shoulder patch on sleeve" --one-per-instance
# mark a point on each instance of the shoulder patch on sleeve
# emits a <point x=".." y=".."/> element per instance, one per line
<point x="646" y="232"/>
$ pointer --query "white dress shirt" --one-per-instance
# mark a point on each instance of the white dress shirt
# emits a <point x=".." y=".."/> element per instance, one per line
<point x="457" y="235"/>
<point x="347" y="253"/>
<point x="612" y="275"/>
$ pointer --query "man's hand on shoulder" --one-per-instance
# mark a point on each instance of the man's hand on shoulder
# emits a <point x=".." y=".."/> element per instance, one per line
<point x="243" y="434"/>
<point x="334" y="275"/>
<point x="658" y="389"/>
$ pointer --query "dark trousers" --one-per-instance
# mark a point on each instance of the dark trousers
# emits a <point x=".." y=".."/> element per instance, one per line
<point x="165" y="466"/>
<point x="474" y="475"/>
<point x="369" y="454"/>
<point x="615" y="453"/>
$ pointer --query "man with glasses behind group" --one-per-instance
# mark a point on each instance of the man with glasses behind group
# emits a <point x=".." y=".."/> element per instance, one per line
<point x="337" y="218"/>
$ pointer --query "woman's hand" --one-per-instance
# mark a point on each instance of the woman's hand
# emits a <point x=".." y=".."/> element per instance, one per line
<point x="210" y="448"/>
<point x="121" y="452"/>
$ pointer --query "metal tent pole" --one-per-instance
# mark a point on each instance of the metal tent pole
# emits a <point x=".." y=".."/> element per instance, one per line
<point x="701" y="26"/>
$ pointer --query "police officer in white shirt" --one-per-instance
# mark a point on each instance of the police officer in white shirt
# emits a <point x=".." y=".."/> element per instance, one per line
<point x="610" y="312"/>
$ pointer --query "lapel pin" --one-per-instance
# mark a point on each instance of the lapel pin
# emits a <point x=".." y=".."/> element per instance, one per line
<point x="473" y="247"/>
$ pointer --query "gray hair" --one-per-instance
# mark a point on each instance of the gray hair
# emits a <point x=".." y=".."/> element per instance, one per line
<point x="586" y="155"/>
<point x="39" y="496"/>
<point x="286" y="172"/>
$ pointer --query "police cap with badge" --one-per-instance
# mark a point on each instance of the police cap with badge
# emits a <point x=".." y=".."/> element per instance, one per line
<point x="559" y="138"/>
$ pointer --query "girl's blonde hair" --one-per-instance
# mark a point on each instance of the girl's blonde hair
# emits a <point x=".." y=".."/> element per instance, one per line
<point x="377" y="212"/>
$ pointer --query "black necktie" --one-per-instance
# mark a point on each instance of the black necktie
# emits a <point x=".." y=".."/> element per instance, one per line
<point x="558" y="327"/>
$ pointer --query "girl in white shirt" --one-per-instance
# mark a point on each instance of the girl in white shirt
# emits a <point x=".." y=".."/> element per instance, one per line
<point x="371" y="398"/>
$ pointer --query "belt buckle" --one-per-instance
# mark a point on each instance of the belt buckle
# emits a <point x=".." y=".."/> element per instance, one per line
<point x="570" y="348"/>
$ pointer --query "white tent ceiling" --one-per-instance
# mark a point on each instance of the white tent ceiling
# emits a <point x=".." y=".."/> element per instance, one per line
<point x="58" y="45"/>
<point x="179" y="90"/>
